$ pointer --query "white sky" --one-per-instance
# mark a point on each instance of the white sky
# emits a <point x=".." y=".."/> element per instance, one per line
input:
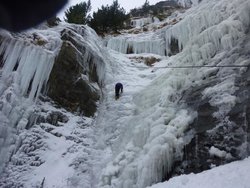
<point x="126" y="4"/>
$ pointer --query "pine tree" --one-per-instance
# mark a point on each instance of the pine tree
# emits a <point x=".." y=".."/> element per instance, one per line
<point x="78" y="13"/>
<point x="109" y="18"/>
<point x="146" y="7"/>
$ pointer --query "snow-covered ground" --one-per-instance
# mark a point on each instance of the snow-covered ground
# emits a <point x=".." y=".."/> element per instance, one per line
<point x="133" y="142"/>
<point x="116" y="117"/>
<point x="235" y="174"/>
<point x="156" y="134"/>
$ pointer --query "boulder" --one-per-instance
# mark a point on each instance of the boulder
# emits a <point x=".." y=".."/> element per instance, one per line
<point x="73" y="82"/>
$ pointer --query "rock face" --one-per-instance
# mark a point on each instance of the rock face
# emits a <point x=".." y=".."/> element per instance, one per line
<point x="230" y="136"/>
<point x="217" y="127"/>
<point x="63" y="62"/>
<point x="73" y="81"/>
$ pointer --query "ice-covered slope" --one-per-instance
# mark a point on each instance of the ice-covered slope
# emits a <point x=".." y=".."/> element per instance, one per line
<point x="135" y="141"/>
<point x="22" y="79"/>
<point x="27" y="60"/>
<point x="217" y="29"/>
<point x="231" y="175"/>
<point x="158" y="131"/>
<point x="140" y="22"/>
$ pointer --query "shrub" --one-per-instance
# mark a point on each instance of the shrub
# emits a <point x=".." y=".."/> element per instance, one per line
<point x="149" y="61"/>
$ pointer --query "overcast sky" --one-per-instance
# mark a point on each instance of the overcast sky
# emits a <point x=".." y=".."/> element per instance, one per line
<point x="126" y="4"/>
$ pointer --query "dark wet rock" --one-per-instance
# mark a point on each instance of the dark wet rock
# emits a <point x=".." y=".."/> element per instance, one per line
<point x="55" y="117"/>
<point x="174" y="47"/>
<point x="73" y="81"/>
<point x="229" y="131"/>
<point x="47" y="128"/>
<point x="56" y="134"/>
<point x="1" y="55"/>
<point x="229" y="134"/>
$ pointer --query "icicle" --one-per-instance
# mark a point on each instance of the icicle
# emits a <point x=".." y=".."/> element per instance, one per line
<point x="11" y="50"/>
<point x="26" y="67"/>
<point x="138" y="45"/>
<point x="143" y="21"/>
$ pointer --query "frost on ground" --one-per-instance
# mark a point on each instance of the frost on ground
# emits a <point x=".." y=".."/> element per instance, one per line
<point x="132" y="142"/>
<point x="232" y="175"/>
<point x="24" y="70"/>
<point x="55" y="152"/>
<point x="159" y="129"/>
<point x="40" y="143"/>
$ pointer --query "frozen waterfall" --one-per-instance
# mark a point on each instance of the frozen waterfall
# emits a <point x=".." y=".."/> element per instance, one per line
<point x="208" y="30"/>
<point x="30" y="122"/>
<point x="137" y="44"/>
<point x="25" y="71"/>
<point x="143" y="21"/>
<point x="157" y="138"/>
<point x="135" y="141"/>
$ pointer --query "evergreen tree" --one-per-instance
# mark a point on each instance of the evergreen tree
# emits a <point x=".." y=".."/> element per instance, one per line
<point x="78" y="13"/>
<point x="100" y="22"/>
<point x="142" y="11"/>
<point x="109" y="18"/>
<point x="146" y="7"/>
<point x="118" y="16"/>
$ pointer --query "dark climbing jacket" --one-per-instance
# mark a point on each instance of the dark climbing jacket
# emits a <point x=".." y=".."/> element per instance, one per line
<point x="118" y="89"/>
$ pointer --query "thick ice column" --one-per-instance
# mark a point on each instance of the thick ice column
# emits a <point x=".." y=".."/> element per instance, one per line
<point x="25" y="70"/>
<point x="220" y="27"/>
<point x="138" y="44"/>
<point x="32" y="65"/>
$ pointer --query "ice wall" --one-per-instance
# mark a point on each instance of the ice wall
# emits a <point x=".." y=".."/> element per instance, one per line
<point x="25" y="69"/>
<point x="138" y="44"/>
<point x="26" y="62"/>
<point x="143" y="21"/>
<point x="94" y="52"/>
<point x="197" y="20"/>
<point x="157" y="133"/>
<point x="210" y="31"/>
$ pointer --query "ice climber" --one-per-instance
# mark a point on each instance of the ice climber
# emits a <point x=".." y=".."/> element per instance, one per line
<point x="118" y="90"/>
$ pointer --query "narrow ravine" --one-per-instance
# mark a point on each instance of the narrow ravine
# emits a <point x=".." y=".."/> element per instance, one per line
<point x="114" y="119"/>
<point x="60" y="125"/>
